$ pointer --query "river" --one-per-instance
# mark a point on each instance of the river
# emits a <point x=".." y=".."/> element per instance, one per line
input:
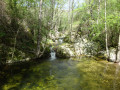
<point x="61" y="74"/>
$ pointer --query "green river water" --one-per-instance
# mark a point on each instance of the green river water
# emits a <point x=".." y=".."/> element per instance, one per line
<point x="61" y="74"/>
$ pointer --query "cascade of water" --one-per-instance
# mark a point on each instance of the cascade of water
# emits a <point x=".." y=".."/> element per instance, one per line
<point x="52" y="54"/>
<point x="60" y="40"/>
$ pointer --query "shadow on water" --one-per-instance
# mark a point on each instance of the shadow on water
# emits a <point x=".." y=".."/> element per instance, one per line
<point x="15" y="76"/>
<point x="61" y="74"/>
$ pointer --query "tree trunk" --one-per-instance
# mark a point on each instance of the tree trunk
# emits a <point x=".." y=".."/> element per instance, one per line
<point x="98" y="11"/>
<point x="52" y="13"/>
<point x="34" y="30"/>
<point x="39" y="37"/>
<point x="1" y="8"/>
<point x="71" y="20"/>
<point x="90" y="7"/>
<point x="69" y="12"/>
<point x="15" y="41"/>
<point x="106" y="38"/>
<point x="52" y="7"/>
<point x="118" y="50"/>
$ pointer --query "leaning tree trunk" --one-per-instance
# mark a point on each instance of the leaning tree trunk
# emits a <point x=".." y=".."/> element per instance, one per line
<point x="106" y="38"/>
<point x="39" y="37"/>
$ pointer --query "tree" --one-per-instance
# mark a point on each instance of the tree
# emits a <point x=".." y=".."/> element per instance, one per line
<point x="71" y="19"/>
<point x="98" y="11"/>
<point x="90" y="7"/>
<point x="118" y="51"/>
<point x="106" y="38"/>
<point x="39" y="37"/>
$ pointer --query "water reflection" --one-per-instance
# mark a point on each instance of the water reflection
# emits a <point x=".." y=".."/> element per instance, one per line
<point x="87" y="74"/>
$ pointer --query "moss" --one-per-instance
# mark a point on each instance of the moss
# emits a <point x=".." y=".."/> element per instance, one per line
<point x="67" y="39"/>
<point x="62" y="53"/>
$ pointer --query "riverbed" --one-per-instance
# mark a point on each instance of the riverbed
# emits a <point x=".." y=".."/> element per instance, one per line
<point x="61" y="74"/>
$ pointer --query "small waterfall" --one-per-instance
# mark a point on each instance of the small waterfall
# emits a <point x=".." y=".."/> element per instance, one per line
<point x="52" y="54"/>
<point x="60" y="40"/>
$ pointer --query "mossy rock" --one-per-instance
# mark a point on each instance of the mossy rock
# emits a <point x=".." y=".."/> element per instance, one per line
<point x="60" y="53"/>
<point x="66" y="39"/>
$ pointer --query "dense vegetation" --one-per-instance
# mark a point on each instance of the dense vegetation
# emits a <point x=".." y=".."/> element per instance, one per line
<point x="28" y="28"/>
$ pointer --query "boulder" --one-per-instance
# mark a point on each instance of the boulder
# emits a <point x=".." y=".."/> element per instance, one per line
<point x="112" y="54"/>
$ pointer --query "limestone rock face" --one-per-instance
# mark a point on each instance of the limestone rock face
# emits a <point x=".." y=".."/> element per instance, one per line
<point x="118" y="56"/>
<point x="112" y="54"/>
<point x="64" y="51"/>
<point x="85" y="47"/>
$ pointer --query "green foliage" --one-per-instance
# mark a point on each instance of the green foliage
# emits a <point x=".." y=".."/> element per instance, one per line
<point x="21" y="23"/>
<point x="2" y="34"/>
<point x="96" y="32"/>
